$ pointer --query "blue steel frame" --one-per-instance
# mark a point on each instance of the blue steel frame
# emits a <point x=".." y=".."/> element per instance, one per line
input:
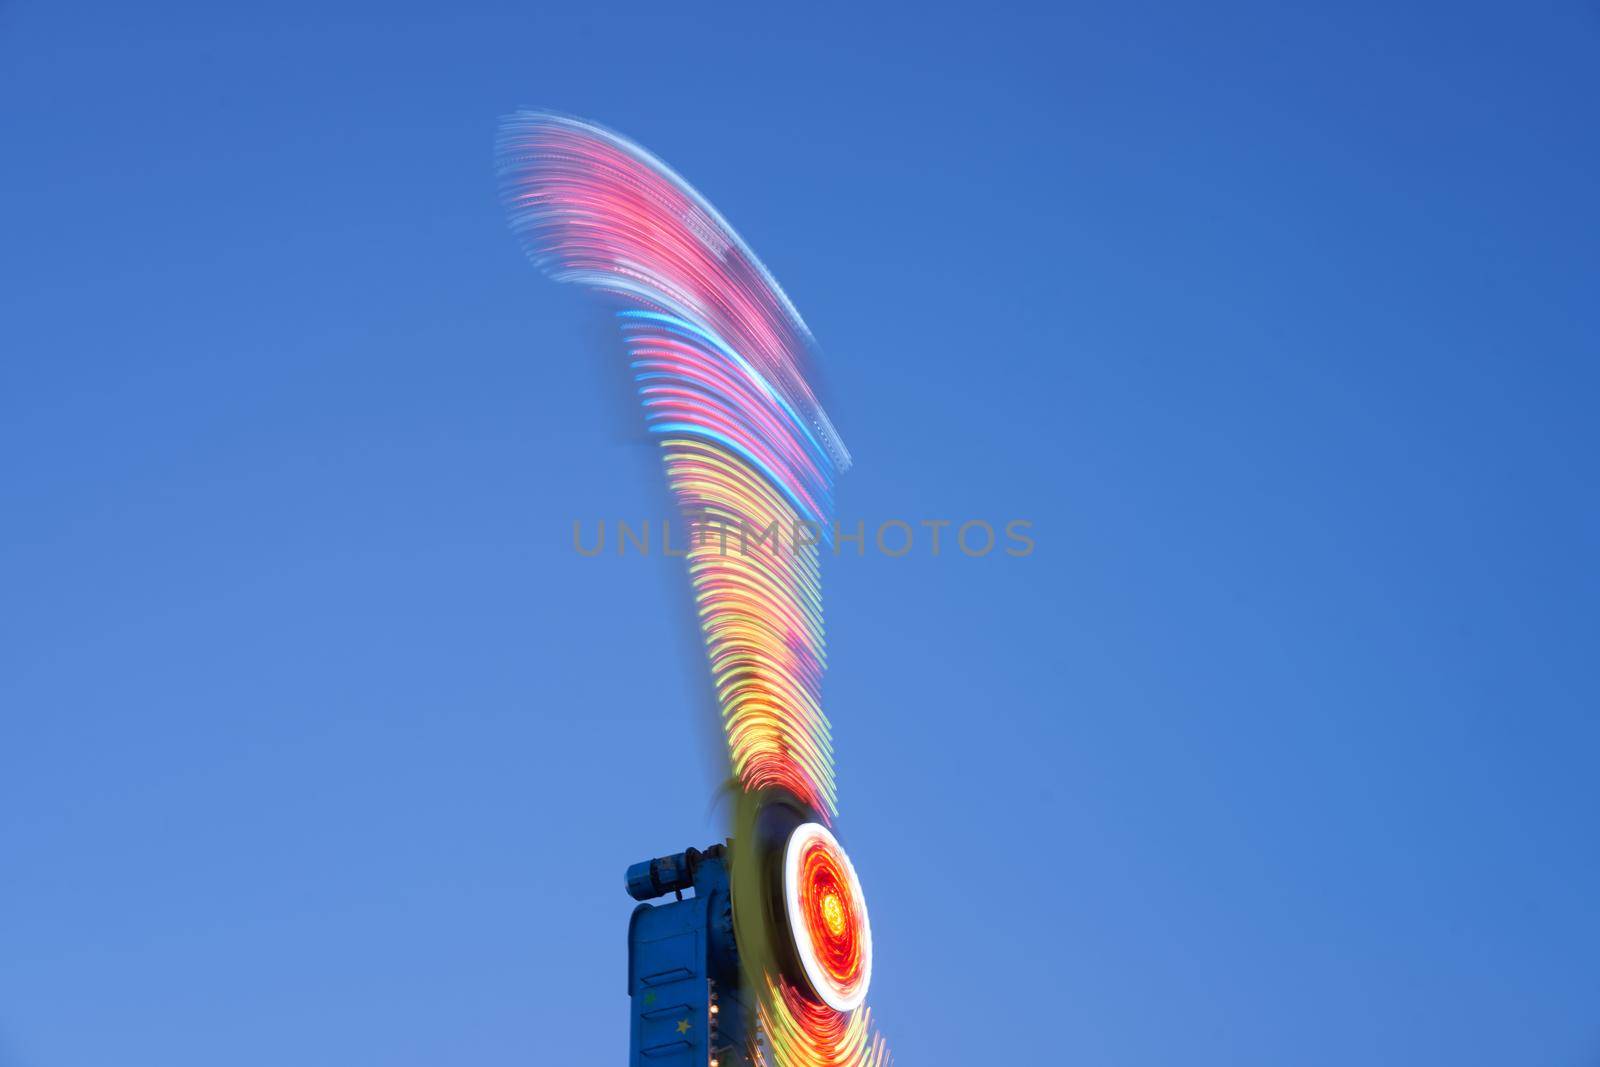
<point x="688" y="1007"/>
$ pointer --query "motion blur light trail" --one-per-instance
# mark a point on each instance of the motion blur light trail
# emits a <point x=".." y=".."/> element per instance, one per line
<point x="719" y="355"/>
<point x="762" y="614"/>
<point x="717" y="351"/>
<point x="803" y="1033"/>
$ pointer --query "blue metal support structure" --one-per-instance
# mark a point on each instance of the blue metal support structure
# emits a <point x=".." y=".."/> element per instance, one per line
<point x="688" y="1006"/>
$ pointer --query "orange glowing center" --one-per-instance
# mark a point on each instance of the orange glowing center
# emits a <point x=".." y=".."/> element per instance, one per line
<point x="833" y="914"/>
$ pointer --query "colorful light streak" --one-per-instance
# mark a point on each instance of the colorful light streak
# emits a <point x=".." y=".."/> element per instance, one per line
<point x="803" y="1033"/>
<point x="719" y="355"/>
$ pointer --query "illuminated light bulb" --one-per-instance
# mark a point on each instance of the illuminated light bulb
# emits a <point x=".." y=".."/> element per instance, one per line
<point x="715" y="1009"/>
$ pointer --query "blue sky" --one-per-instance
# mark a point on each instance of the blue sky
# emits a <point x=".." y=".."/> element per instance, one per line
<point x="318" y="745"/>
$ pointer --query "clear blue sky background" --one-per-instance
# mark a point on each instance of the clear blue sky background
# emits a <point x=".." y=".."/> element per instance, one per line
<point x="318" y="746"/>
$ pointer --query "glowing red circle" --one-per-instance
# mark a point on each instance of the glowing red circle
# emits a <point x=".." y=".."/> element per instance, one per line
<point x="827" y="917"/>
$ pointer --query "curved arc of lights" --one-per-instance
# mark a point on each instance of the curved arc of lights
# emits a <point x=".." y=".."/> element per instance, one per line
<point x="718" y="353"/>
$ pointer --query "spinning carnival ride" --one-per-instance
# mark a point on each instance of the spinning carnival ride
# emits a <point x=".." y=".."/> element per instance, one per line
<point x="768" y="962"/>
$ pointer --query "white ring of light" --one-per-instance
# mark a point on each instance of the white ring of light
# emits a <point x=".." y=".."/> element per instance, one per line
<point x="799" y="931"/>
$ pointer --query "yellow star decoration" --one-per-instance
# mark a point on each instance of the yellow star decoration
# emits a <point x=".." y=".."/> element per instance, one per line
<point x="683" y="1026"/>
